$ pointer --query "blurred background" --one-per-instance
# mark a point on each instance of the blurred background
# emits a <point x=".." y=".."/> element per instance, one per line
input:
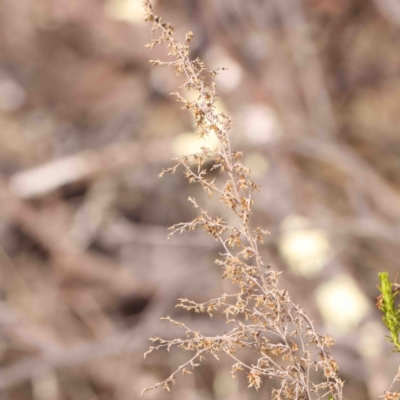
<point x="86" y="125"/>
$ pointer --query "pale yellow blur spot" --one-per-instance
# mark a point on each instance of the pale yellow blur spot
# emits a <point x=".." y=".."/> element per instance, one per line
<point x="342" y="304"/>
<point x="124" y="10"/>
<point x="258" y="165"/>
<point x="224" y="386"/>
<point x="260" y="124"/>
<point x="189" y="143"/>
<point x="306" y="251"/>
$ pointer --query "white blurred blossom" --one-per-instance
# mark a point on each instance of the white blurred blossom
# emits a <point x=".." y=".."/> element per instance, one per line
<point x="342" y="303"/>
<point x="189" y="143"/>
<point x="258" y="164"/>
<point x="260" y="124"/>
<point x="125" y="10"/>
<point x="306" y="251"/>
<point x="228" y="79"/>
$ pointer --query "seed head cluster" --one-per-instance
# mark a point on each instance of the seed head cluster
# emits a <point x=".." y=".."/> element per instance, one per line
<point x="262" y="318"/>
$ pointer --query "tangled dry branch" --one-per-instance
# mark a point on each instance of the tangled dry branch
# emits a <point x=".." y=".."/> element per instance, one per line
<point x="264" y="320"/>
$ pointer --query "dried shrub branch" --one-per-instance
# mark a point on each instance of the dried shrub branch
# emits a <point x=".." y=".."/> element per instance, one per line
<point x="264" y="320"/>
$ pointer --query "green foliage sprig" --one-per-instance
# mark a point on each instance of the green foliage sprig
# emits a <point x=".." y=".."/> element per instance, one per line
<point x="391" y="312"/>
<point x="391" y="317"/>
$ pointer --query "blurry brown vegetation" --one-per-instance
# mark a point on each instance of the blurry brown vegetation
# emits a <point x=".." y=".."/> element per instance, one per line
<point x="87" y="125"/>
